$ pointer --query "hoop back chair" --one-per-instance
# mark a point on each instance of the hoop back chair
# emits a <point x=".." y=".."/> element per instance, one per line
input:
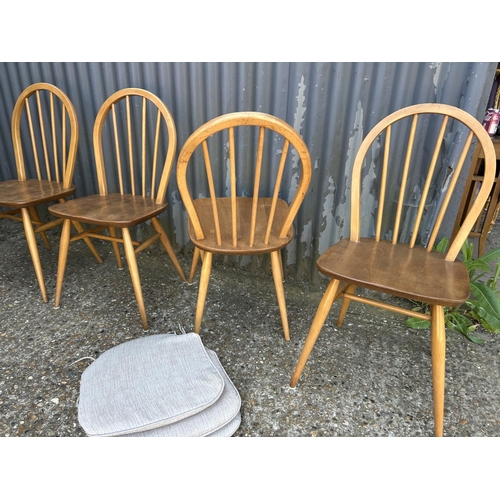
<point x="45" y="140"/>
<point x="409" y="269"/>
<point x="133" y="175"/>
<point x="228" y="221"/>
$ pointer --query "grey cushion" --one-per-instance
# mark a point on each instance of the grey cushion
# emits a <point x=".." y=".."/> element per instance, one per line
<point x="153" y="382"/>
<point x="219" y="420"/>
<point x="229" y="429"/>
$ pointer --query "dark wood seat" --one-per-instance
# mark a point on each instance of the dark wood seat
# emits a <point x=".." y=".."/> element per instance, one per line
<point x="243" y="213"/>
<point x="111" y="210"/>
<point x="203" y="207"/>
<point x="416" y="156"/>
<point x="414" y="274"/>
<point x="22" y="194"/>
<point x="137" y="163"/>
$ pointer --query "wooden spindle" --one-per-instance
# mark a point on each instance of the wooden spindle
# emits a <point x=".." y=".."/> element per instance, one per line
<point x="383" y="182"/>
<point x="64" y="159"/>
<point x="130" y="147"/>
<point x="143" y="174"/>
<point x="155" y="155"/>
<point x="428" y="180"/>
<point x="33" y="140"/>
<point x="449" y="192"/>
<point x="213" y="197"/>
<point x="117" y="149"/>
<point x="255" y="200"/>
<point x="54" y="138"/>
<point x="232" y="174"/>
<point x="404" y="179"/>
<point x="277" y="186"/>
<point x="43" y="136"/>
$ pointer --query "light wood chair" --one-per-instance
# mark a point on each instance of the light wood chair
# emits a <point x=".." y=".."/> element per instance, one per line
<point x="252" y="217"/>
<point x="45" y="140"/>
<point x="487" y="218"/>
<point x="133" y="170"/>
<point x="408" y="178"/>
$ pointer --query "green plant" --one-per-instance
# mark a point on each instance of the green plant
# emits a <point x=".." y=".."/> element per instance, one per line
<point x="483" y="306"/>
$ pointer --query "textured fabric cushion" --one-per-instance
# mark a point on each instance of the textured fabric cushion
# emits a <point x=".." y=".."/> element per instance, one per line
<point x="229" y="429"/>
<point x="222" y="419"/>
<point x="147" y="383"/>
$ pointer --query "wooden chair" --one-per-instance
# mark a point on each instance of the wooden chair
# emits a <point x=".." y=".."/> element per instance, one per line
<point x="229" y="221"/>
<point x="133" y="173"/>
<point x="487" y="218"/>
<point x="383" y="262"/>
<point x="45" y="140"/>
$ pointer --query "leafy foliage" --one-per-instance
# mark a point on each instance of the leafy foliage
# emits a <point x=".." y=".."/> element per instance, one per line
<point x="483" y="306"/>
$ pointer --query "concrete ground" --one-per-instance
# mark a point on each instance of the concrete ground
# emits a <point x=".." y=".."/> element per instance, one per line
<point x="372" y="377"/>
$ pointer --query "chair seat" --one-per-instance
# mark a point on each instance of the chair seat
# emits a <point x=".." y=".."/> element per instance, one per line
<point x="414" y="274"/>
<point x="244" y="216"/>
<point x="160" y="385"/>
<point x="111" y="210"/>
<point x="22" y="194"/>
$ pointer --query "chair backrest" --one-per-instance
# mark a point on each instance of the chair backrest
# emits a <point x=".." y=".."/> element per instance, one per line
<point x="256" y="169"/>
<point x="416" y="157"/>
<point x="135" y="140"/>
<point x="45" y="115"/>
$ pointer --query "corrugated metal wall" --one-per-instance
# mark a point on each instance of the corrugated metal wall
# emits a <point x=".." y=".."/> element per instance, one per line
<point x="332" y="105"/>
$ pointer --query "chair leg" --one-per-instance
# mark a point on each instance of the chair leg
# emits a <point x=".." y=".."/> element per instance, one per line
<point x="482" y="242"/>
<point x="116" y="248"/>
<point x="280" y="291"/>
<point x="88" y="241"/>
<point x="63" y="255"/>
<point x="134" y="274"/>
<point x="281" y="267"/>
<point x="345" y="305"/>
<point x="196" y="257"/>
<point x="438" y="353"/>
<point x="318" y="322"/>
<point x="36" y="217"/>
<point x="168" y="247"/>
<point x="33" y="248"/>
<point x="202" y="292"/>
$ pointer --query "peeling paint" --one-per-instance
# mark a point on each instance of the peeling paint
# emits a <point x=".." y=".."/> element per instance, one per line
<point x="327" y="218"/>
<point x="336" y="218"/>
<point x="294" y="184"/>
<point x="298" y="118"/>
<point x="306" y="237"/>
<point x="356" y="138"/>
<point x="436" y="66"/>
<point x="179" y="215"/>
<point x="369" y="196"/>
<point x="301" y="108"/>
<point x="291" y="253"/>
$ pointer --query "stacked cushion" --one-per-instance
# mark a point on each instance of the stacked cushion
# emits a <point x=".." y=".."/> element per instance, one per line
<point x="158" y="386"/>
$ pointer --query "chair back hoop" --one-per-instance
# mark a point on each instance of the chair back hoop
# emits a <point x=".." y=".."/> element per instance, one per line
<point x="230" y="121"/>
<point x="148" y="174"/>
<point x="476" y="130"/>
<point x="53" y="143"/>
